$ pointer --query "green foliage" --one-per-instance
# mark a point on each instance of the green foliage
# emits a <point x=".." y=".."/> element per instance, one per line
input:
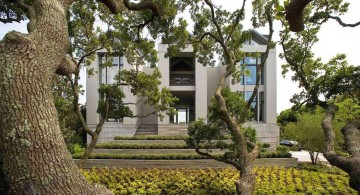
<point x="10" y="11"/>
<point x="171" y="156"/>
<point x="111" y="145"/>
<point x="114" y="95"/>
<point x="269" y="180"/>
<point x="68" y="121"/>
<point x="307" y="129"/>
<point x="283" y="149"/>
<point x="317" y="78"/>
<point x="235" y="103"/>
<point x="176" y="156"/>
<point x="212" y="133"/>
<point x="153" y="137"/>
<point x="147" y="87"/>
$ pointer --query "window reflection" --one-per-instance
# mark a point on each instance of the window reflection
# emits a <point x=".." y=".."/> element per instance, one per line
<point x="251" y="66"/>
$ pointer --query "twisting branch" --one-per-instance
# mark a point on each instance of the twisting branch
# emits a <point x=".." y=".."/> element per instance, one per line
<point x="219" y="39"/>
<point x="263" y="59"/>
<point x="66" y="67"/>
<point x="117" y="6"/>
<point x="146" y="4"/>
<point x="237" y="20"/>
<point x="143" y="115"/>
<point x="224" y="160"/>
<point x="338" y="19"/>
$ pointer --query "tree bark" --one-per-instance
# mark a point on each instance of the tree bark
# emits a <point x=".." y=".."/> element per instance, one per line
<point x="33" y="151"/>
<point x="246" y="183"/>
<point x="351" y="132"/>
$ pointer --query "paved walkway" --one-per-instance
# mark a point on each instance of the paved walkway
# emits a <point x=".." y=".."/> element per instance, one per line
<point x="304" y="156"/>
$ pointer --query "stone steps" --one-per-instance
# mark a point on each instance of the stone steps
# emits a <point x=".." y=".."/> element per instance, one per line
<point x="175" y="142"/>
<point x="146" y="129"/>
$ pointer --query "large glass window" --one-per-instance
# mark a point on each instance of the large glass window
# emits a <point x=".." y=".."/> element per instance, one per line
<point x="257" y="105"/>
<point x="251" y="66"/>
<point x="108" y="73"/>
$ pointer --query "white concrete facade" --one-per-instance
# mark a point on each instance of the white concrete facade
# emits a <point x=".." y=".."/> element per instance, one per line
<point x="194" y="85"/>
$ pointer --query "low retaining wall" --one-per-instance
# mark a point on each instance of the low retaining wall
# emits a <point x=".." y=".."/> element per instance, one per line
<point x="178" y="164"/>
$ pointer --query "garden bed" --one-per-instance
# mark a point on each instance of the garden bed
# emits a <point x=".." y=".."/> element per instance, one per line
<point x="269" y="180"/>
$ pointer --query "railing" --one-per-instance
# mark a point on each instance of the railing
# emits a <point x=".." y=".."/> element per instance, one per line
<point x="182" y="78"/>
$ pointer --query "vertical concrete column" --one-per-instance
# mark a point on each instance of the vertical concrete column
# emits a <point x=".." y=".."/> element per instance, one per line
<point x="164" y="67"/>
<point x="270" y="88"/>
<point x="201" y="103"/>
<point x="92" y="95"/>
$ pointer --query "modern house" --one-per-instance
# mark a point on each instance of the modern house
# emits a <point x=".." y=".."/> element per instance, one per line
<point x="194" y="85"/>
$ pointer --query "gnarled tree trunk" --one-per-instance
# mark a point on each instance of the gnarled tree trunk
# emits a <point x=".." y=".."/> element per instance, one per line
<point x="33" y="151"/>
<point x="246" y="183"/>
<point x="351" y="132"/>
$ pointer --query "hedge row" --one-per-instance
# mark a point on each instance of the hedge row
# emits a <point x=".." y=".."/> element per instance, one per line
<point x="179" y="156"/>
<point x="141" y="146"/>
<point x="269" y="180"/>
<point x="153" y="137"/>
<point x="159" y="137"/>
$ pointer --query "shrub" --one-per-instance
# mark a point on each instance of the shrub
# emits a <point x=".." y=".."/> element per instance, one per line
<point x="152" y="137"/>
<point x="269" y="180"/>
<point x="177" y="156"/>
<point x="282" y="149"/>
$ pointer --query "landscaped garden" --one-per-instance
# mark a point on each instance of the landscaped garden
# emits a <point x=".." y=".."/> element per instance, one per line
<point x="269" y="180"/>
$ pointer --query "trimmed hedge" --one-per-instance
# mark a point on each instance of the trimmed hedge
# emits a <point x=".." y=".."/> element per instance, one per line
<point x="179" y="156"/>
<point x="141" y="146"/>
<point x="159" y="137"/>
<point x="269" y="180"/>
<point x="152" y="137"/>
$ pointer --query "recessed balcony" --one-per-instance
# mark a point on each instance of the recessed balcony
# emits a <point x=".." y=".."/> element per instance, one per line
<point x="182" y="78"/>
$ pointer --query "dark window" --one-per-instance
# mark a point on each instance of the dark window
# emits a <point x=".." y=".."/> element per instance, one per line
<point x="257" y="107"/>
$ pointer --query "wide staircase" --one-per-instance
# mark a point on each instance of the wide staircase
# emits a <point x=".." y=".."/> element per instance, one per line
<point x="147" y="129"/>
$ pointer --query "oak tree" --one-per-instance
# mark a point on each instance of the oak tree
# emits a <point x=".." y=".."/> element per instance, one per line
<point x="319" y="79"/>
<point x="33" y="152"/>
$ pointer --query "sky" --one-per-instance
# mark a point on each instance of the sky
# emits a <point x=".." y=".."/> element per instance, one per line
<point x="333" y="39"/>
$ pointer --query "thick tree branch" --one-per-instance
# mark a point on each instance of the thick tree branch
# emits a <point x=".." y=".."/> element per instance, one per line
<point x="295" y="14"/>
<point x="117" y="6"/>
<point x="224" y="160"/>
<point x="66" y="67"/>
<point x="352" y="137"/>
<point x="146" y="4"/>
<point x="260" y="67"/>
<point x="328" y="129"/>
<point x="329" y="152"/>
